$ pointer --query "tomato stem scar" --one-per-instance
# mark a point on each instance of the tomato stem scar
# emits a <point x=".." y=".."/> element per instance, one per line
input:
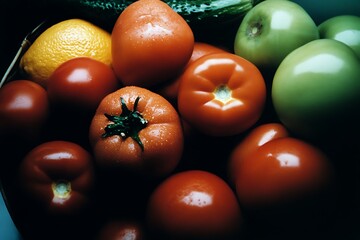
<point x="61" y="189"/>
<point x="127" y="124"/>
<point x="223" y="93"/>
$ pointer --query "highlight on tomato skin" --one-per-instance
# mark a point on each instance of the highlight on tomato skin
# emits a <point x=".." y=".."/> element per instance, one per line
<point x="227" y="93"/>
<point x="194" y="204"/>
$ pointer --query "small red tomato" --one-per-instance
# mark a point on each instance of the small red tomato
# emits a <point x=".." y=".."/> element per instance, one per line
<point x="194" y="204"/>
<point x="256" y="138"/>
<point x="221" y="94"/>
<point x="82" y="83"/>
<point x="24" y="108"/>
<point x="58" y="175"/>
<point x="281" y="171"/>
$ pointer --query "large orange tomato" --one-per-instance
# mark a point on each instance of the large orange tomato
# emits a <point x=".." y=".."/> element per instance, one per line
<point x="151" y="43"/>
<point x="137" y="130"/>
<point x="221" y="94"/>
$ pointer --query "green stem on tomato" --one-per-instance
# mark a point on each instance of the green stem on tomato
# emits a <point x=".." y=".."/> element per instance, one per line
<point x="127" y="124"/>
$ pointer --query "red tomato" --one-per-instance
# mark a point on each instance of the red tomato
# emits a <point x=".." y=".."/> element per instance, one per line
<point x="151" y="43"/>
<point x="251" y="143"/>
<point x="280" y="171"/>
<point x="137" y="130"/>
<point x="24" y="108"/>
<point x="194" y="204"/>
<point x="81" y="83"/>
<point x="170" y="90"/>
<point x="59" y="176"/>
<point x="221" y="94"/>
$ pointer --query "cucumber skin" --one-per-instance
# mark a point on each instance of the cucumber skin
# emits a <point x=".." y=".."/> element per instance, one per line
<point x="106" y="12"/>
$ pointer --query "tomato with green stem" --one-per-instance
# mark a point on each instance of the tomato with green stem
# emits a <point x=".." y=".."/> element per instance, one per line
<point x="137" y="130"/>
<point x="58" y="176"/>
<point x="221" y="94"/>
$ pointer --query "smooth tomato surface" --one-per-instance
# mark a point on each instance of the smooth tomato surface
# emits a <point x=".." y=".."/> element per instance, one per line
<point x="221" y="94"/>
<point x="24" y="108"/>
<point x="58" y="176"/>
<point x="121" y="230"/>
<point x="171" y="88"/>
<point x="256" y="138"/>
<point x="282" y="170"/>
<point x="151" y="142"/>
<point x="81" y="82"/>
<point x="151" y="43"/>
<point x="194" y="204"/>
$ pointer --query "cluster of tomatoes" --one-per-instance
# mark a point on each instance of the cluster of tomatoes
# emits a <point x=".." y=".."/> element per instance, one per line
<point x="177" y="140"/>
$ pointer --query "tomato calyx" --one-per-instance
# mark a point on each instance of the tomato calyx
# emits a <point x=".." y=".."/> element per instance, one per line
<point x="61" y="189"/>
<point x="127" y="124"/>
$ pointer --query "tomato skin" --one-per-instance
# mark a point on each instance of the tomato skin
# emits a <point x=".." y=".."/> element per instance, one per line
<point x="170" y="90"/>
<point x="147" y="54"/>
<point x="221" y="94"/>
<point x="251" y="142"/>
<point x="162" y="137"/>
<point x="281" y="171"/>
<point x="194" y="204"/>
<point x="57" y="162"/>
<point x="24" y="108"/>
<point x="81" y="83"/>
<point x="121" y="230"/>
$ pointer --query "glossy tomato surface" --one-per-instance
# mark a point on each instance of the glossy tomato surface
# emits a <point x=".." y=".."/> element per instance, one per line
<point x="281" y="170"/>
<point x="81" y="83"/>
<point x="151" y="44"/>
<point x="227" y="94"/>
<point x="251" y="143"/>
<point x="170" y="89"/>
<point x="151" y="143"/>
<point x="24" y="108"/>
<point x="194" y="205"/>
<point x="58" y="176"/>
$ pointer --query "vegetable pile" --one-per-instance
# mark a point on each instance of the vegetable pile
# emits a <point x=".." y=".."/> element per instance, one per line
<point x="187" y="137"/>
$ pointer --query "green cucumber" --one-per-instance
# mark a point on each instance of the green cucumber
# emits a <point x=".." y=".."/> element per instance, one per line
<point x="105" y="12"/>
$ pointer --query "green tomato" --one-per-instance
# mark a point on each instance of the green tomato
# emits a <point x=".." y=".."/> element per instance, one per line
<point x="271" y="30"/>
<point x="344" y="28"/>
<point x="316" y="90"/>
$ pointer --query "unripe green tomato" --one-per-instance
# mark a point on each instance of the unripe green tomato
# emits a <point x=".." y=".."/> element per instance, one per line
<point x="316" y="89"/>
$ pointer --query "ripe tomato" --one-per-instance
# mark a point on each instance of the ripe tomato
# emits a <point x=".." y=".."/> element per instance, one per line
<point x="82" y="83"/>
<point x="280" y="171"/>
<point x="221" y="94"/>
<point x="194" y="204"/>
<point x="256" y="137"/>
<point x="138" y="130"/>
<point x="24" y="108"/>
<point x="58" y="175"/>
<point x="151" y="43"/>
<point x="170" y="89"/>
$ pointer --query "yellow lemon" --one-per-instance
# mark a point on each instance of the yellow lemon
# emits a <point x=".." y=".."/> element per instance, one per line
<point x="61" y="42"/>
